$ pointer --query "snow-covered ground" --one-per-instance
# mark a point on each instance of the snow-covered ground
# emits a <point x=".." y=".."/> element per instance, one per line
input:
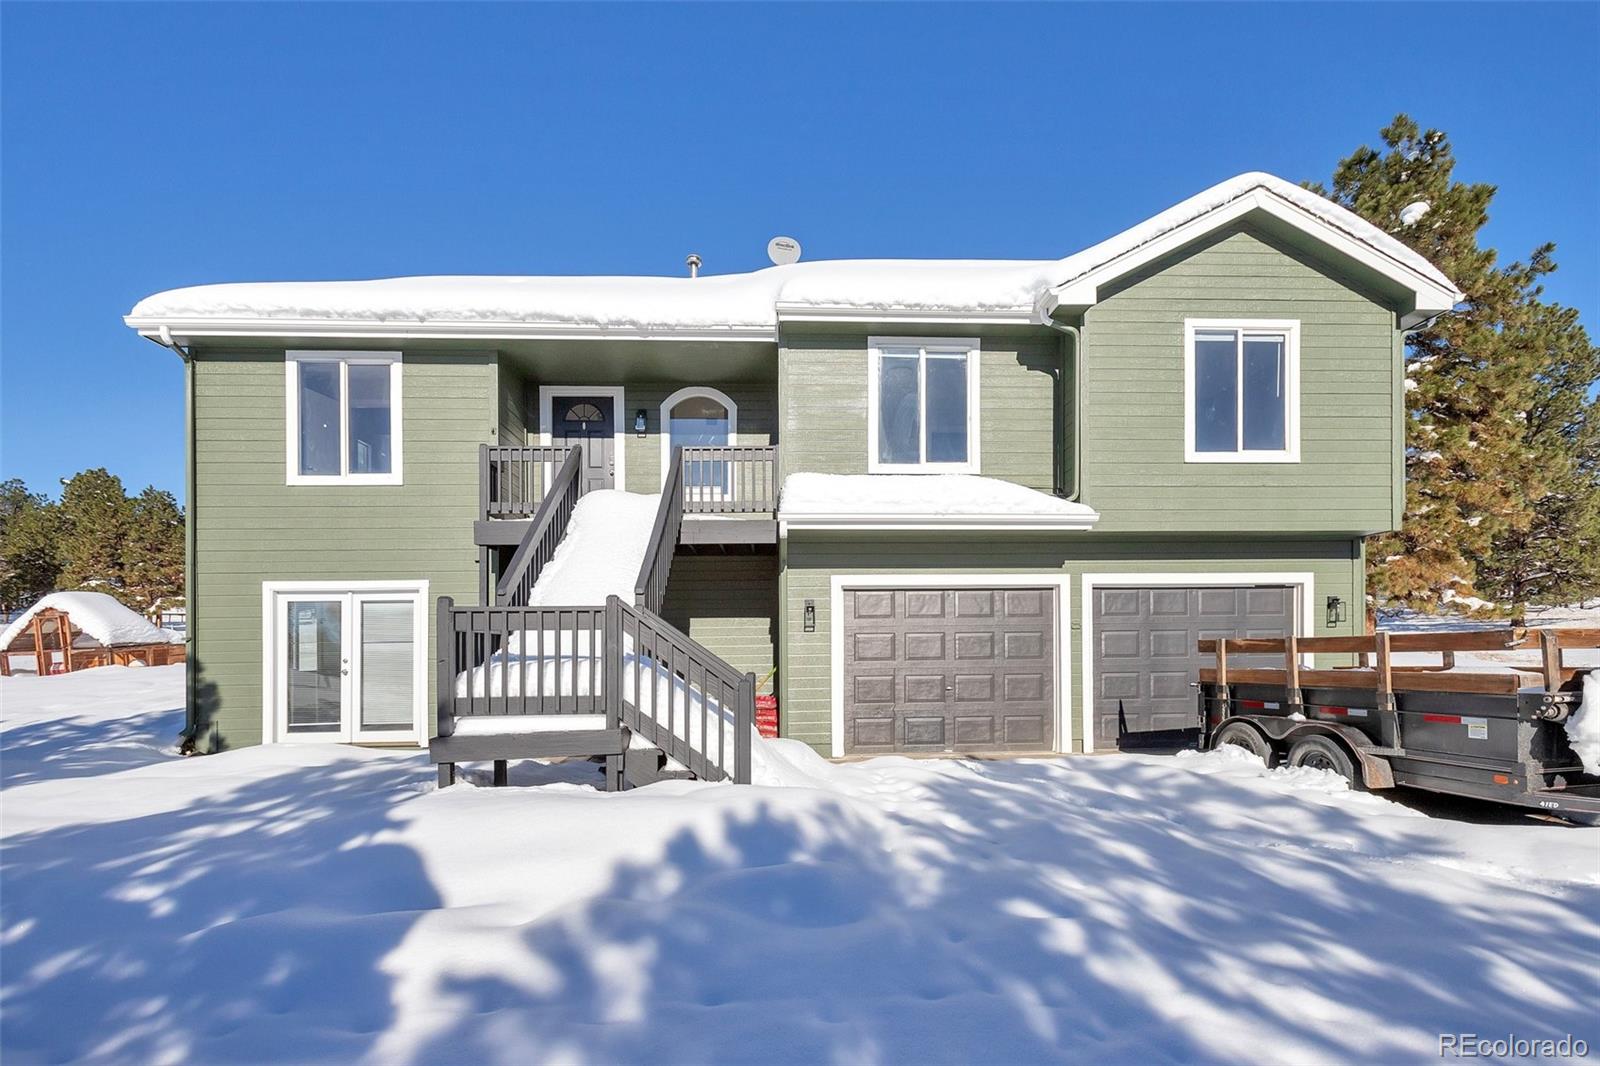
<point x="308" y="903"/>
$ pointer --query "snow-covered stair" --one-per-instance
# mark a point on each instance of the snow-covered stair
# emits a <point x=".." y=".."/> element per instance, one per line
<point x="602" y="552"/>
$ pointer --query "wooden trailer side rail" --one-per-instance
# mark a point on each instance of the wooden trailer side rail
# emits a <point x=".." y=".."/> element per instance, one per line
<point x="1378" y="672"/>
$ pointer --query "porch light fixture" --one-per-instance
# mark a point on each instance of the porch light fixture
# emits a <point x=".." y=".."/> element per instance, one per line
<point x="1335" y="611"/>
<point x="811" y="616"/>
<point x="639" y="422"/>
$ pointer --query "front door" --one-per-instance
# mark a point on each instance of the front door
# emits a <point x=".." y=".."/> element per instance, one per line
<point x="591" y="422"/>
<point x="346" y="666"/>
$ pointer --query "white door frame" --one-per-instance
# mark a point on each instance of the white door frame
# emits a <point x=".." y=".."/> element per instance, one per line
<point x="619" y="435"/>
<point x="273" y="593"/>
<point x="1302" y="581"/>
<point x="1060" y="583"/>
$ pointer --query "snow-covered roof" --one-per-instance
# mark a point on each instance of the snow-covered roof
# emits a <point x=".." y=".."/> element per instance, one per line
<point x="750" y="305"/>
<point x="916" y="501"/>
<point x="99" y="616"/>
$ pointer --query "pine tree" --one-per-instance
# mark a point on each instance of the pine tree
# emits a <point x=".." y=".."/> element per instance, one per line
<point x="30" y="559"/>
<point x="94" y="519"/>
<point x="1475" y="471"/>
<point x="152" y="554"/>
<point x="1556" y="559"/>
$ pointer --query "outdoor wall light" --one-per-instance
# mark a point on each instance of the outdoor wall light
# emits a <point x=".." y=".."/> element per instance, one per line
<point x="1335" y="610"/>
<point x="811" y="616"/>
<point x="639" y="422"/>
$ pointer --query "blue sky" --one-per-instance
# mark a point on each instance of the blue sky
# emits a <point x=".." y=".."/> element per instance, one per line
<point x="150" y="146"/>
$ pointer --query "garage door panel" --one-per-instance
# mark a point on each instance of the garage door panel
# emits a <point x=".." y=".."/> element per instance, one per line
<point x="1145" y="649"/>
<point x="949" y="669"/>
<point x="877" y="604"/>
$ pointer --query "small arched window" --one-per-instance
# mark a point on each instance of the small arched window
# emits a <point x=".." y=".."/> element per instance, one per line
<point x="698" y="418"/>
<point x="583" y="412"/>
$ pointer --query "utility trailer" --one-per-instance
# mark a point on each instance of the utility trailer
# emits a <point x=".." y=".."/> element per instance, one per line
<point x="1490" y="734"/>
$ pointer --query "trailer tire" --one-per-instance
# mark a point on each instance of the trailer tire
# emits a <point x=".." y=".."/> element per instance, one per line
<point x="1325" y="753"/>
<point x="1248" y="737"/>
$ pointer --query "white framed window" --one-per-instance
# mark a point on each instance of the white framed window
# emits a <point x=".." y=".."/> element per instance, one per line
<point x="343" y="418"/>
<point x="699" y="416"/>
<point x="922" y="405"/>
<point x="1241" y="390"/>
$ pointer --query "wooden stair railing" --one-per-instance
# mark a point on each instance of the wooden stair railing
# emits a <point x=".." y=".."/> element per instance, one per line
<point x="544" y="533"/>
<point x="650" y="590"/>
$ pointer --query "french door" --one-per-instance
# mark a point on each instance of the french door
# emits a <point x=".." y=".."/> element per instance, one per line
<point x="347" y="665"/>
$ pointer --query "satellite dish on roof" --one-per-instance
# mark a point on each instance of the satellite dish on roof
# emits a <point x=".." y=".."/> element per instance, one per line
<point x="783" y="250"/>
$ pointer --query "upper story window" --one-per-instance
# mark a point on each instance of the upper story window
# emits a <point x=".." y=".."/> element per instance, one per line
<point x="1241" y="391"/>
<point x="343" y="418"/>
<point x="922" y="405"/>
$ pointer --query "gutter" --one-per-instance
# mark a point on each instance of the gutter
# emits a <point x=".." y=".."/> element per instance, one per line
<point x="191" y="721"/>
<point x="1076" y="333"/>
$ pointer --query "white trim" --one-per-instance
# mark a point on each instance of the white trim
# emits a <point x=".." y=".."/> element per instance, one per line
<point x="1290" y="328"/>
<point x="1082" y="292"/>
<point x="183" y="328"/>
<point x="291" y="400"/>
<point x="1060" y="582"/>
<point x="272" y="591"/>
<point x="1302" y="580"/>
<point x="678" y="397"/>
<point x="974" y="356"/>
<point x="619" y="434"/>
<point x="800" y="312"/>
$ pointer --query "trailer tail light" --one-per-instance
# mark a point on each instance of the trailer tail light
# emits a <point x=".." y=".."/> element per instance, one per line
<point x="1501" y="779"/>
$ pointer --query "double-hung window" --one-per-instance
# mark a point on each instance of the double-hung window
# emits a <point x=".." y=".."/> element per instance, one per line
<point x="1241" y="391"/>
<point x="343" y="418"/>
<point x="922" y="405"/>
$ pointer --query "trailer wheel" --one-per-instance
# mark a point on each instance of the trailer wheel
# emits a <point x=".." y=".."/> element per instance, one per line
<point x="1240" y="735"/>
<point x="1321" y="753"/>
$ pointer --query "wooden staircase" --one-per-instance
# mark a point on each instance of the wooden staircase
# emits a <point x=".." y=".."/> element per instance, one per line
<point x="654" y="703"/>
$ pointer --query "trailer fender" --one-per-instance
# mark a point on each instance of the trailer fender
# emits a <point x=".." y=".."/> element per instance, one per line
<point x="1376" y="772"/>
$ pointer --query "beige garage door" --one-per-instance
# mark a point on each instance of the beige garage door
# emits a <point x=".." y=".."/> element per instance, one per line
<point x="958" y="669"/>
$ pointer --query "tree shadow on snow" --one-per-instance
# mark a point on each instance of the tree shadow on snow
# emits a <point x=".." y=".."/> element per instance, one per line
<point x="253" y="920"/>
<point x="1049" y="914"/>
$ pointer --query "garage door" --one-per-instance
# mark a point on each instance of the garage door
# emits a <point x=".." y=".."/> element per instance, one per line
<point x="949" y="669"/>
<point x="1145" y="657"/>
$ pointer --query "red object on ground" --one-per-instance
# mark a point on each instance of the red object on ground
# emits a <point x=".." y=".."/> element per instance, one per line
<point x="767" y="716"/>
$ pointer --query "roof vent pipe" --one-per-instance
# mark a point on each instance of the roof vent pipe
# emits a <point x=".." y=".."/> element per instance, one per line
<point x="694" y="264"/>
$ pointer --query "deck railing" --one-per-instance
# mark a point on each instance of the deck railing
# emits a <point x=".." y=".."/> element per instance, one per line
<point x="514" y="479"/>
<point x="544" y="533"/>
<point x="729" y="480"/>
<point x="624" y="663"/>
<point x="650" y="590"/>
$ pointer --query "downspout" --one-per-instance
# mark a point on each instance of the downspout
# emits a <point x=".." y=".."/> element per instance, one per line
<point x="1076" y="365"/>
<point x="191" y="723"/>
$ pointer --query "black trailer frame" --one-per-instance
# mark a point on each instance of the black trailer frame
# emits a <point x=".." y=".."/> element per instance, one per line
<point x="1495" y="736"/>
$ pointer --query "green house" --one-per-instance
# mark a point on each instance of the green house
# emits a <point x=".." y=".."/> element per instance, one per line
<point x="931" y="506"/>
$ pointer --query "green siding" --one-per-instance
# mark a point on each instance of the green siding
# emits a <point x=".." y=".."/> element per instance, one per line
<point x="1134" y="469"/>
<point x="519" y="422"/>
<point x="813" y="560"/>
<point x="729" y="603"/>
<point x="757" y="418"/>
<point x="822" y="382"/>
<point x="251" y="527"/>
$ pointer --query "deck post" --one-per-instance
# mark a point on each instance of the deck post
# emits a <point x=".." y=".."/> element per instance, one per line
<point x="444" y="642"/>
<point x="502" y="773"/>
<point x="744" y="723"/>
<point x="611" y="652"/>
<point x="447" y="774"/>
